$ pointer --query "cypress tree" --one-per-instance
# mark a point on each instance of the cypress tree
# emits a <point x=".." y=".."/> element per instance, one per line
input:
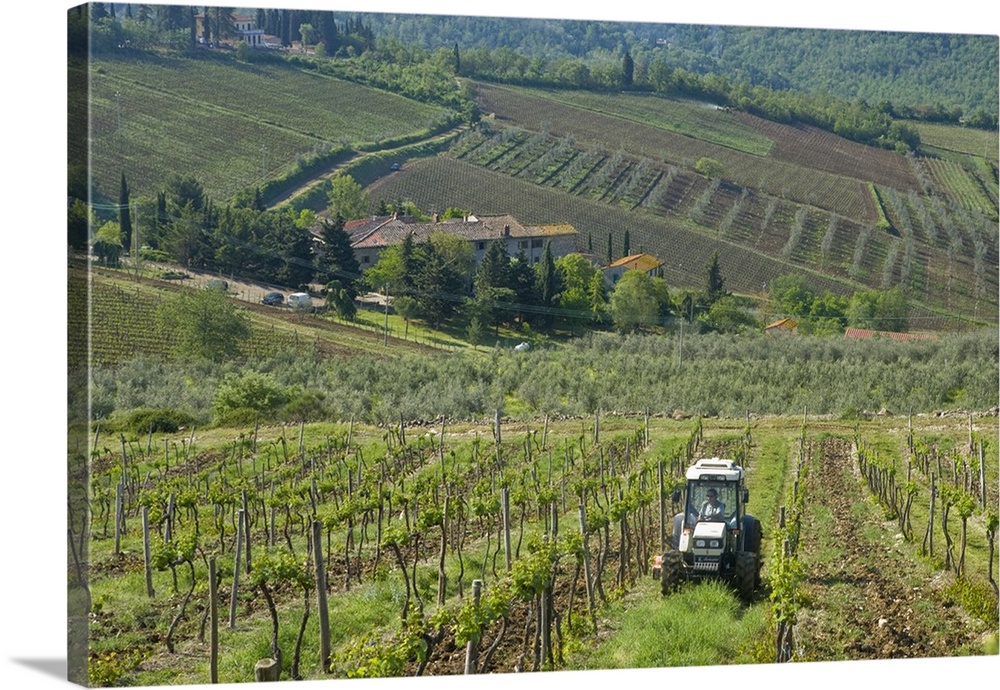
<point x="610" y="251"/>
<point x="715" y="284"/>
<point x="626" y="245"/>
<point x="548" y="284"/>
<point x="411" y="265"/>
<point x="328" y="27"/>
<point x="491" y="284"/>
<point x="628" y="70"/>
<point x="124" y="215"/>
<point x="523" y="283"/>
<point x="338" y="260"/>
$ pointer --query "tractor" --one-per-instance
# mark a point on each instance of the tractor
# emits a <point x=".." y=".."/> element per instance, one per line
<point x="714" y="537"/>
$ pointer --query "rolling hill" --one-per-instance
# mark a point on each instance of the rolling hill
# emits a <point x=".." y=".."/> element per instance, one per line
<point x="791" y="198"/>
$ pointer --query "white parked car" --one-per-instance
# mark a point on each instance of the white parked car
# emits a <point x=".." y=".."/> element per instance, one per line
<point x="300" y="300"/>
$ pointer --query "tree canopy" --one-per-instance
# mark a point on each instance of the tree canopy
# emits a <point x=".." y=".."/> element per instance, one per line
<point x="205" y="324"/>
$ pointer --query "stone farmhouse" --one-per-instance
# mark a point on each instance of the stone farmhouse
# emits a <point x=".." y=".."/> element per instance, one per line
<point x="371" y="235"/>
<point x="244" y="28"/>
<point x="646" y="263"/>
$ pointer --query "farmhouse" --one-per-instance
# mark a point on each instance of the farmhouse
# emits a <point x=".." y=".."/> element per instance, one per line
<point x="370" y="236"/>
<point x="636" y="262"/>
<point x="243" y="26"/>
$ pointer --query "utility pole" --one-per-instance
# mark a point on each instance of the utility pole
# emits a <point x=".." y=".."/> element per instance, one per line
<point x="680" y="347"/>
<point x="135" y="242"/>
<point x="385" y="297"/>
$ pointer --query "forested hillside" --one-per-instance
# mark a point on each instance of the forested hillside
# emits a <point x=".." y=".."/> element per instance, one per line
<point x="935" y="75"/>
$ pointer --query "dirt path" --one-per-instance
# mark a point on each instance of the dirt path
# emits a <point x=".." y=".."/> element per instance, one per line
<point x="872" y="598"/>
<point x="335" y="169"/>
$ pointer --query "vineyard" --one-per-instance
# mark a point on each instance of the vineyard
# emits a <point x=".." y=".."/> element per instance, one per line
<point x="347" y="550"/>
<point x="123" y="325"/>
<point x="810" y="147"/>
<point x="881" y="220"/>
<point x="835" y="193"/>
<point x="683" y="218"/>
<point x="703" y="121"/>
<point x="231" y="125"/>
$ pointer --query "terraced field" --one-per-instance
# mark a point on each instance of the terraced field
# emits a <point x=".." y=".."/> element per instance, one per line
<point x="442" y="181"/>
<point x="835" y="193"/>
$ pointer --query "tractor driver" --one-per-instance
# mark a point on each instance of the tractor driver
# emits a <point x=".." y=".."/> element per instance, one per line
<point x="712" y="507"/>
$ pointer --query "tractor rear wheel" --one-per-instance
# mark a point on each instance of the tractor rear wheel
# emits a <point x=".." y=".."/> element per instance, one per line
<point x="746" y="574"/>
<point x="670" y="572"/>
<point x="758" y="535"/>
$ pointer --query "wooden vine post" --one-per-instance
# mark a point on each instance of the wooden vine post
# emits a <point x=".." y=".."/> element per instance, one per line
<point x="245" y="513"/>
<point x="119" y="516"/>
<point x="663" y="506"/>
<point x="505" y="508"/>
<point x="146" y="552"/>
<point x="586" y="563"/>
<point x="545" y="621"/>
<point x="442" y="592"/>
<point x="928" y="544"/>
<point x="213" y="607"/>
<point x="324" y="613"/>
<point x="236" y="570"/>
<point x="982" y="474"/>
<point x="472" y="646"/>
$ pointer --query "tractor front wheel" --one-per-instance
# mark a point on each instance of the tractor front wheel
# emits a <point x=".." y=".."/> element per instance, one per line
<point x="670" y="572"/>
<point x="745" y="577"/>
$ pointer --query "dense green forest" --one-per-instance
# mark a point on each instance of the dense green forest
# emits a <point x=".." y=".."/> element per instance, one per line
<point x="937" y="76"/>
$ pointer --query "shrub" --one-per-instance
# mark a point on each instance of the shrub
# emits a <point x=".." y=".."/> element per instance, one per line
<point x="250" y="390"/>
<point x="142" y="420"/>
<point x="155" y="255"/>
<point x="306" y="406"/>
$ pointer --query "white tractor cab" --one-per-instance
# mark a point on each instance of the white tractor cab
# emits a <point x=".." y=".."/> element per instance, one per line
<point x="714" y="536"/>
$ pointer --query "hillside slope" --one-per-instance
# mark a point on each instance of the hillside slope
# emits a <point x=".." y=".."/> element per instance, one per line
<point x="789" y="199"/>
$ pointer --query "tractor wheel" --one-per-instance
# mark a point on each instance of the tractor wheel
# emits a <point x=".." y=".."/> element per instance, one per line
<point x="670" y="572"/>
<point x="746" y="575"/>
<point x="758" y="535"/>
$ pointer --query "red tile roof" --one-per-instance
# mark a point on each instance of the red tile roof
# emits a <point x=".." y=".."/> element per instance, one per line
<point x="386" y="232"/>
<point x="783" y="323"/>
<point x="638" y="262"/>
<point x="865" y="334"/>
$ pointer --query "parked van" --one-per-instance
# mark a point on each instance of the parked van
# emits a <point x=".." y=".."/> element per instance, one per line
<point x="299" y="300"/>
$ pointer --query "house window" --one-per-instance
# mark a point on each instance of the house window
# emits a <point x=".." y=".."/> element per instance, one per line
<point x="522" y="244"/>
<point x="365" y="259"/>
<point x="536" y="259"/>
<point x="481" y="245"/>
<point x="536" y="244"/>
